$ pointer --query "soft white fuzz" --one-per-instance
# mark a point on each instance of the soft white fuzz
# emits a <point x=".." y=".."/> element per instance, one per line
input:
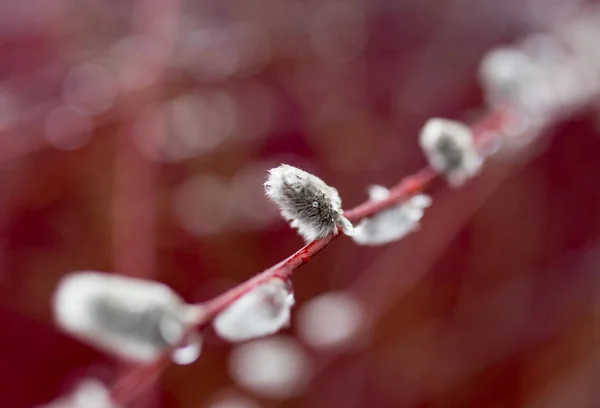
<point x="260" y="312"/>
<point x="306" y="202"/>
<point x="391" y="224"/>
<point x="134" y="319"/>
<point x="450" y="149"/>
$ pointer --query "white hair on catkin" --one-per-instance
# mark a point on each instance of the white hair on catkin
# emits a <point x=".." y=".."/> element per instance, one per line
<point x="306" y="202"/>
<point x="262" y="311"/>
<point x="134" y="319"/>
<point x="450" y="149"/>
<point x="393" y="223"/>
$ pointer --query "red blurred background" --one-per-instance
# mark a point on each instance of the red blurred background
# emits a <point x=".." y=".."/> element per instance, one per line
<point x="135" y="137"/>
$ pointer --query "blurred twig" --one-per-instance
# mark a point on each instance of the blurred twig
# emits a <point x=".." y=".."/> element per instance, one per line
<point x="139" y="378"/>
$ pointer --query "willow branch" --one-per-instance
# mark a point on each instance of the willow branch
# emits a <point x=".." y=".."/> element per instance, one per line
<point x="489" y="127"/>
<point x="141" y="377"/>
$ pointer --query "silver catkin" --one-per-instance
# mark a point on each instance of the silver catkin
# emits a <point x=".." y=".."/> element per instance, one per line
<point x="306" y="202"/>
<point x="450" y="149"/>
<point x="132" y="318"/>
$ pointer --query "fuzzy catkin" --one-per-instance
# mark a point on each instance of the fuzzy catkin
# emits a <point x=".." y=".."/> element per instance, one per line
<point x="306" y="202"/>
<point x="134" y="319"/>
<point x="262" y="311"/>
<point x="450" y="149"/>
<point x="393" y="223"/>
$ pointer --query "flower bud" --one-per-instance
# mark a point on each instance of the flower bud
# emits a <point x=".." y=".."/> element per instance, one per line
<point x="391" y="224"/>
<point x="260" y="312"/>
<point x="306" y="202"/>
<point x="450" y="149"/>
<point x="132" y="318"/>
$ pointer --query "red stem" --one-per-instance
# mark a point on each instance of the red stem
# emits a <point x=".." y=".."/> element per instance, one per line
<point x="140" y="377"/>
<point x="489" y="127"/>
<point x="284" y="269"/>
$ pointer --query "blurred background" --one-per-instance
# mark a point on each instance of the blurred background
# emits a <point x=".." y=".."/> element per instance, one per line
<point x="135" y="137"/>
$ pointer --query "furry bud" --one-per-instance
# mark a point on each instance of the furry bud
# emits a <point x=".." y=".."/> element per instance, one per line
<point x="508" y="76"/>
<point x="306" y="202"/>
<point x="391" y="224"/>
<point x="132" y="318"/>
<point x="260" y="312"/>
<point x="450" y="149"/>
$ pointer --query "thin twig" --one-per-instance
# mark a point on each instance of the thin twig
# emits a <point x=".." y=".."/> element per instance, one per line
<point x="141" y="377"/>
<point x="284" y="269"/>
<point x="492" y="124"/>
